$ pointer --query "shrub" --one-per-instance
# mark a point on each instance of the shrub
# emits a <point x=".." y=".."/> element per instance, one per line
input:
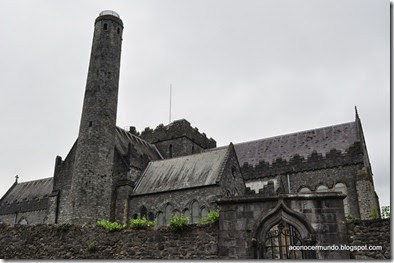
<point x="179" y="222"/>
<point x="110" y="226"/>
<point x="374" y="213"/>
<point x="350" y="217"/>
<point x="212" y="217"/>
<point x="91" y="247"/>
<point x="386" y="212"/>
<point x="64" y="227"/>
<point x="141" y="223"/>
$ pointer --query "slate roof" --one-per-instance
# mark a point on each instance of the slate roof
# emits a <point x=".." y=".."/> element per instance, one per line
<point x="123" y="138"/>
<point x="182" y="172"/>
<point x="321" y="140"/>
<point x="28" y="191"/>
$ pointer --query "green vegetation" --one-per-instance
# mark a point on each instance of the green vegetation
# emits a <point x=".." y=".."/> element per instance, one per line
<point x="374" y="213"/>
<point x="386" y="212"/>
<point x="212" y="217"/>
<point x="64" y="227"/>
<point x="141" y="223"/>
<point x="110" y="226"/>
<point x="178" y="222"/>
<point x="350" y="217"/>
<point x="91" y="247"/>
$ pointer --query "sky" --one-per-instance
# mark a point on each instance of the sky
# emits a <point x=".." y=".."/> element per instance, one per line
<point x="240" y="70"/>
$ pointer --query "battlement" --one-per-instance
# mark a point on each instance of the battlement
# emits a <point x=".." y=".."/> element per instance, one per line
<point x="316" y="161"/>
<point x="177" y="129"/>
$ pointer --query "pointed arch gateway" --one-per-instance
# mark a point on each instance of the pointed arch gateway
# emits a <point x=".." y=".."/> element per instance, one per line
<point x="281" y="228"/>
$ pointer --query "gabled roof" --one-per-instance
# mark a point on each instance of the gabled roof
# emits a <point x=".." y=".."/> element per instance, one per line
<point x="30" y="190"/>
<point x="123" y="138"/>
<point x="321" y="140"/>
<point x="182" y="172"/>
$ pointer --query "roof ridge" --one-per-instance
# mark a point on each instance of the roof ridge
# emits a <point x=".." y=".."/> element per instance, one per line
<point x="35" y="180"/>
<point x="294" y="133"/>
<point x="194" y="154"/>
<point x="229" y="148"/>
<point x="137" y="138"/>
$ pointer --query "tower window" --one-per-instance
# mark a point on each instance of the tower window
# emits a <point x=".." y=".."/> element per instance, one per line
<point x="90" y="123"/>
<point x="170" y="151"/>
<point x="193" y="149"/>
<point x="105" y="26"/>
<point x="118" y="30"/>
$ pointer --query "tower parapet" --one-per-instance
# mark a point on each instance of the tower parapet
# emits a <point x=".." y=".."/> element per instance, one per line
<point x="178" y="138"/>
<point x="176" y="129"/>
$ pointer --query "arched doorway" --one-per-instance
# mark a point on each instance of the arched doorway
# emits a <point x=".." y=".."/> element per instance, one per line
<point x="280" y="232"/>
<point x="278" y="240"/>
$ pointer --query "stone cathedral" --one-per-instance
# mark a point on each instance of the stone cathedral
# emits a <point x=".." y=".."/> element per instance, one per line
<point x="303" y="183"/>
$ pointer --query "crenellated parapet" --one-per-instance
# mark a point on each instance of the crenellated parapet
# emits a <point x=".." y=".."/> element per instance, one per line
<point x="315" y="161"/>
<point x="177" y="129"/>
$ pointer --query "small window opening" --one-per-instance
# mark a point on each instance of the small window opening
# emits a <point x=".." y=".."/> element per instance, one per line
<point x="170" y="151"/>
<point x="118" y="30"/>
<point x="90" y="123"/>
<point x="233" y="171"/>
<point x="105" y="26"/>
<point x="193" y="149"/>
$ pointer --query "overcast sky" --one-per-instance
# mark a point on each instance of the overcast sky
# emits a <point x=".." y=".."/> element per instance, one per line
<point x="240" y="71"/>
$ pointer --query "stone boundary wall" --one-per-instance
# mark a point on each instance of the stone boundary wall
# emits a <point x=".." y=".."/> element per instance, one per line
<point x="370" y="232"/>
<point x="195" y="242"/>
<point x="50" y="242"/>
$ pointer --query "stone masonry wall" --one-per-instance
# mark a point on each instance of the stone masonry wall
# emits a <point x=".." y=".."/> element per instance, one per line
<point x="31" y="217"/>
<point x="370" y="233"/>
<point x="242" y="217"/>
<point x="177" y="128"/>
<point x="49" y="242"/>
<point x="181" y="201"/>
<point x="180" y="146"/>
<point x="196" y="242"/>
<point x="59" y="205"/>
<point x="329" y="178"/>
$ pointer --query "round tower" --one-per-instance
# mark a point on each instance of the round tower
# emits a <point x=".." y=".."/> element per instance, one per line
<point x="92" y="174"/>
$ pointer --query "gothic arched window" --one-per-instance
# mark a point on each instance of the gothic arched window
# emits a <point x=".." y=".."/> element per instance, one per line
<point x="151" y="216"/>
<point x="168" y="212"/>
<point x="160" y="218"/>
<point x="322" y="188"/>
<point x="305" y="190"/>
<point x="186" y="213"/>
<point x="143" y="212"/>
<point x="195" y="212"/>
<point x="176" y="213"/>
<point x="204" y="212"/>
